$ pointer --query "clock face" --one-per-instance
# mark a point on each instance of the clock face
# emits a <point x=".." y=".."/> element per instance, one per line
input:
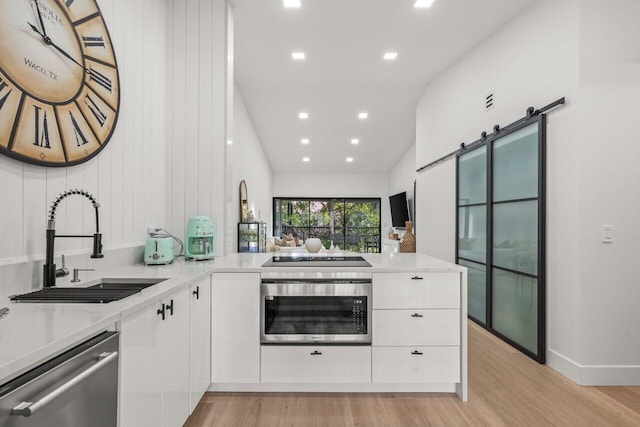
<point x="59" y="83"/>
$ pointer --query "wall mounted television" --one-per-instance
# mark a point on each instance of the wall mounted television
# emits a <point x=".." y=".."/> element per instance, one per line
<point x="399" y="209"/>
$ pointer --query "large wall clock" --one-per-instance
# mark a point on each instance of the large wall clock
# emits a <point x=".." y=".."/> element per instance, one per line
<point x="59" y="83"/>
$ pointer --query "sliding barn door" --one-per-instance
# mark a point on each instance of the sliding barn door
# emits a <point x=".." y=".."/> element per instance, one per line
<point x="500" y="233"/>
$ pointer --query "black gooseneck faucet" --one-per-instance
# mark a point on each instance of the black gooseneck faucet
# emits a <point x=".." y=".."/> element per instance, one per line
<point x="50" y="273"/>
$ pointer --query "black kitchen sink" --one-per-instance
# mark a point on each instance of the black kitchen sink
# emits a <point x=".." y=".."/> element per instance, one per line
<point x="103" y="292"/>
<point x="125" y="283"/>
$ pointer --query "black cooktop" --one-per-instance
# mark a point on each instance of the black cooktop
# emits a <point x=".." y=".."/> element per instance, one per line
<point x="316" y="261"/>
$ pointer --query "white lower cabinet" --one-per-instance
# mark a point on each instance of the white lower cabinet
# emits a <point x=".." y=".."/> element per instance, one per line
<point x="200" y="340"/>
<point x="235" y="328"/>
<point x="154" y="366"/>
<point x="316" y="364"/>
<point x="162" y="369"/>
<point x="416" y="327"/>
<point x="174" y="343"/>
<point x="140" y="367"/>
<point x="432" y="365"/>
<point x="416" y="290"/>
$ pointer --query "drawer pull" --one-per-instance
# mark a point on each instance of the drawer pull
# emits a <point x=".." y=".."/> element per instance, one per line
<point x="417" y="315"/>
<point x="316" y="353"/>
<point x="417" y="278"/>
<point x="161" y="311"/>
<point x="417" y="353"/>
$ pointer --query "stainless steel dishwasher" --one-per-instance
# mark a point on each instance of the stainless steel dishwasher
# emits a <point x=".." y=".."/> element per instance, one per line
<point x="78" y="388"/>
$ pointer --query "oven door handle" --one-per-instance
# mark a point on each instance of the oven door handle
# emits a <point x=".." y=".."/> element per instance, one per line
<point x="29" y="408"/>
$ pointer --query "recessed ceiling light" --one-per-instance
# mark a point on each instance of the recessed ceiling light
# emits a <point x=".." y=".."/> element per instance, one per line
<point x="390" y="56"/>
<point x="229" y="142"/>
<point x="363" y="115"/>
<point x="303" y="115"/>
<point x="298" y="56"/>
<point x="420" y="4"/>
<point x="349" y="159"/>
<point x="305" y="159"/>
<point x="355" y="141"/>
<point x="291" y="3"/>
<point x="304" y="140"/>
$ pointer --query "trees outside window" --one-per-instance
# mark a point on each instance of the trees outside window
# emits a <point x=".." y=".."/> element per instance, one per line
<point x="352" y="224"/>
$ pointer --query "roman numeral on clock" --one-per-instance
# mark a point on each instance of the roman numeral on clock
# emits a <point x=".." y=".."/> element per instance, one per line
<point x="80" y="138"/>
<point x="95" y="110"/>
<point x="3" y="99"/>
<point x="93" y="41"/>
<point x="41" y="138"/>
<point x="99" y="78"/>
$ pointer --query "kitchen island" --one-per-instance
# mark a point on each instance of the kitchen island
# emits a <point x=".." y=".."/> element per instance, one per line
<point x="428" y="355"/>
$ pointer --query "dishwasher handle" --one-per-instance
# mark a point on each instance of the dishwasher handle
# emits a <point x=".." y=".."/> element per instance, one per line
<point x="29" y="408"/>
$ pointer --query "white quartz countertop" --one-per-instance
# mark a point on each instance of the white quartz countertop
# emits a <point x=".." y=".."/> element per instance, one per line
<point x="34" y="332"/>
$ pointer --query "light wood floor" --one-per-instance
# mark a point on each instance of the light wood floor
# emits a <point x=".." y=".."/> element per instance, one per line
<point x="505" y="389"/>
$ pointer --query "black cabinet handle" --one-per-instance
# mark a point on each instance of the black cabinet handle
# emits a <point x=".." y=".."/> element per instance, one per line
<point x="417" y="353"/>
<point x="161" y="312"/>
<point x="417" y="315"/>
<point x="170" y="307"/>
<point x="316" y="353"/>
<point x="417" y="278"/>
<point x="197" y="292"/>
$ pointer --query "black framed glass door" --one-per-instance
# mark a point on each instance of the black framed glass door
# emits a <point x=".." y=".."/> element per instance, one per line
<point x="500" y="233"/>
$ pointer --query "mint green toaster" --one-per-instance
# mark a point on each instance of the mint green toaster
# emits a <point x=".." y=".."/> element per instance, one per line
<point x="159" y="250"/>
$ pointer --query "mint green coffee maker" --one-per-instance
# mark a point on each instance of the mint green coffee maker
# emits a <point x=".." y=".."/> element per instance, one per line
<point x="199" y="239"/>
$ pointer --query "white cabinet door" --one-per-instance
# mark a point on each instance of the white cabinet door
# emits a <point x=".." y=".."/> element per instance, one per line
<point x="140" y="368"/>
<point x="416" y="290"/>
<point x="174" y="332"/>
<point x="416" y="327"/>
<point x="200" y="354"/>
<point x="426" y="365"/>
<point x="316" y="364"/>
<point x="235" y="328"/>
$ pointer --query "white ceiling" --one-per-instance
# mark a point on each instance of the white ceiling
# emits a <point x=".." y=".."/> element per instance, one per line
<point x="344" y="73"/>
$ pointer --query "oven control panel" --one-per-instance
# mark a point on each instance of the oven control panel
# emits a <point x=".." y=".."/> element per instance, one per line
<point x="360" y="315"/>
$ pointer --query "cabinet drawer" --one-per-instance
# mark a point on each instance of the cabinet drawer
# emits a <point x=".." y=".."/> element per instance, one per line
<point x="416" y="290"/>
<point x="425" y="365"/>
<point x="309" y="364"/>
<point x="416" y="327"/>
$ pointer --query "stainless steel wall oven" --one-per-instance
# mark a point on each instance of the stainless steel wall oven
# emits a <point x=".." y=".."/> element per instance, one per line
<point x="329" y="311"/>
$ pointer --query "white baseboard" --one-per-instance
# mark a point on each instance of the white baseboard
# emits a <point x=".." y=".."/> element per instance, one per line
<point x="563" y="365"/>
<point x="335" y="388"/>
<point x="611" y="375"/>
<point x="594" y="375"/>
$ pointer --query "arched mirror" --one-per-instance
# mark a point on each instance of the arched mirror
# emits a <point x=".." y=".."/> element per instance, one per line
<point x="244" y="202"/>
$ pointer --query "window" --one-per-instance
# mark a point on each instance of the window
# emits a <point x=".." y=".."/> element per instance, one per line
<point x="352" y="224"/>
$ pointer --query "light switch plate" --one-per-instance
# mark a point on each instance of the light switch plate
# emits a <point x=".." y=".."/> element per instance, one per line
<point x="607" y="233"/>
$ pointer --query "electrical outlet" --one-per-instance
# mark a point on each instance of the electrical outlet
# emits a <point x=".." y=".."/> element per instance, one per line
<point x="607" y="233"/>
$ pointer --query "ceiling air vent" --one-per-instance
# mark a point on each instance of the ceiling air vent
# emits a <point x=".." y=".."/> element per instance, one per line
<point x="489" y="102"/>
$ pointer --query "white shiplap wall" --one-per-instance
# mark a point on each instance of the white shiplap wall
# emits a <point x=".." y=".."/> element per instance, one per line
<point x="127" y="177"/>
<point x="198" y="120"/>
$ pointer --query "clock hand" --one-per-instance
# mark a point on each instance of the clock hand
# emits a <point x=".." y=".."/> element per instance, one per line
<point x="65" y="53"/>
<point x="44" y="32"/>
<point x="48" y="41"/>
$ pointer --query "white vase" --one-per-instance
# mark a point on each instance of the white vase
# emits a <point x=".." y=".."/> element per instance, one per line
<point x="313" y="244"/>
